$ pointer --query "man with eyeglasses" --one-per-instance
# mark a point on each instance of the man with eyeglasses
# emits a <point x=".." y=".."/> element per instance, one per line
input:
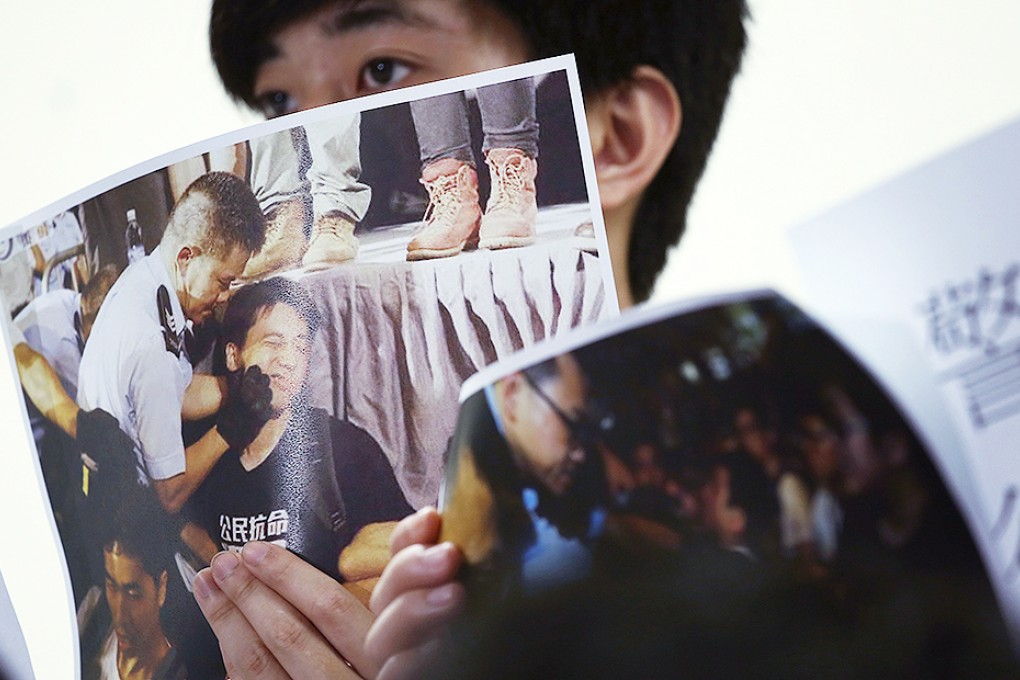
<point x="550" y="471"/>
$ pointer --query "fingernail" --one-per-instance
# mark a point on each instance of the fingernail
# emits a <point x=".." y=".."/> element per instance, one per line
<point x="223" y="564"/>
<point x="254" y="553"/>
<point x="436" y="556"/>
<point x="441" y="596"/>
<point x="201" y="585"/>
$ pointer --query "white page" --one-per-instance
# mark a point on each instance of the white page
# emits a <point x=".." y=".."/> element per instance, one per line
<point x="919" y="277"/>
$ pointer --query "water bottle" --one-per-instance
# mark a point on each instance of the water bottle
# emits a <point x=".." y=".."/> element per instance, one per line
<point x="133" y="238"/>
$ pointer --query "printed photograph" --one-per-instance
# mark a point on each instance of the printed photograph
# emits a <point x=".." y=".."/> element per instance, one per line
<point x="731" y="469"/>
<point x="266" y="340"/>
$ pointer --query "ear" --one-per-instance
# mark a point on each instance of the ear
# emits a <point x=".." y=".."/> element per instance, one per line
<point x="633" y="127"/>
<point x="185" y="255"/>
<point x="510" y="389"/>
<point x="232" y="355"/>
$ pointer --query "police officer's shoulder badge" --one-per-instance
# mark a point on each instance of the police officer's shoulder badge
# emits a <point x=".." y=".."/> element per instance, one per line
<point x="171" y="337"/>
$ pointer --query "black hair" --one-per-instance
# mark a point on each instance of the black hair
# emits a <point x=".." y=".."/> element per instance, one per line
<point x="697" y="44"/>
<point x="140" y="529"/>
<point x="233" y="217"/>
<point x="250" y="301"/>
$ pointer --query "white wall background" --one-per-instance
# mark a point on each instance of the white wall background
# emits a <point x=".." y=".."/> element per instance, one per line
<point x="834" y="98"/>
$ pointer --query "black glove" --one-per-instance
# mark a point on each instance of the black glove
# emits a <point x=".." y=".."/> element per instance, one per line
<point x="248" y="406"/>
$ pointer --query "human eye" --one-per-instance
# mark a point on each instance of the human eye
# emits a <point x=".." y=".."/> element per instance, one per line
<point x="383" y="73"/>
<point x="276" y="103"/>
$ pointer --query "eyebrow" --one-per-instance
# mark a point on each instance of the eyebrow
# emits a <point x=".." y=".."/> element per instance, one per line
<point x="362" y="14"/>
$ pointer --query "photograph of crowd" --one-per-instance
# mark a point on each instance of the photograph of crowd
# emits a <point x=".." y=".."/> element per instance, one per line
<point x="266" y="341"/>
<point x="729" y="474"/>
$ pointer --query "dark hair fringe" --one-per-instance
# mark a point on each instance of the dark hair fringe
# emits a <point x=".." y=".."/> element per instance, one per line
<point x="697" y="44"/>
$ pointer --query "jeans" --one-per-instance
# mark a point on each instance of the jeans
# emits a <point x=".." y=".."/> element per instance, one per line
<point x="508" y="121"/>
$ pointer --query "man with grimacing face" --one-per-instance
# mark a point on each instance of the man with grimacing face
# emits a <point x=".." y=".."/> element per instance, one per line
<point x="302" y="479"/>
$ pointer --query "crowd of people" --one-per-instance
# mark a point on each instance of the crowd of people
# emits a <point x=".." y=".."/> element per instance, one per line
<point x="750" y="473"/>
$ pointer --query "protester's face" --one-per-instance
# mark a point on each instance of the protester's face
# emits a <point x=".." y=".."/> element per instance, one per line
<point x="135" y="599"/>
<point x="648" y="471"/>
<point x="206" y="278"/>
<point x="349" y="49"/>
<point x="541" y="441"/>
<point x="820" y="445"/>
<point x="756" y="439"/>
<point x="278" y="343"/>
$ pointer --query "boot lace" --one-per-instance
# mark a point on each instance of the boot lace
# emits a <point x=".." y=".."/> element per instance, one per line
<point x="509" y="181"/>
<point x="443" y="197"/>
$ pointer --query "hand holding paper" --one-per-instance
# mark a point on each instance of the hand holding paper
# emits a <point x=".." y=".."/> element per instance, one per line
<point x="278" y="617"/>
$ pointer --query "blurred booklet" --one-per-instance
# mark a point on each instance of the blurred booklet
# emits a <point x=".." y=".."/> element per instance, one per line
<point x="820" y="469"/>
<point x="329" y="362"/>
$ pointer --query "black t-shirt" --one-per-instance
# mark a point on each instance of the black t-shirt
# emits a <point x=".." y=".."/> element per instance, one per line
<point x="324" y="481"/>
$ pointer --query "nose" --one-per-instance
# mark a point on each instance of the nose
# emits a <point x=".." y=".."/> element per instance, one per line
<point x="116" y="610"/>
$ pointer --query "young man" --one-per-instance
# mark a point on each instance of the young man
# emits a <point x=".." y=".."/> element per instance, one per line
<point x="126" y="638"/>
<point x="304" y="480"/>
<point x="656" y="78"/>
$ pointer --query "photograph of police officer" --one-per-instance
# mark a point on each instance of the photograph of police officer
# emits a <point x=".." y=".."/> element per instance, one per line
<point x="137" y="367"/>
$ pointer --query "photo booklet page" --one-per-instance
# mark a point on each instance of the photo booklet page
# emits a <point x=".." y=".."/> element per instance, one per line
<point x="263" y="337"/>
<point x="716" y="485"/>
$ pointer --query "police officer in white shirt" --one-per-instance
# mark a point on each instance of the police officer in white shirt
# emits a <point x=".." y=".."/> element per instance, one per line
<point x="136" y="365"/>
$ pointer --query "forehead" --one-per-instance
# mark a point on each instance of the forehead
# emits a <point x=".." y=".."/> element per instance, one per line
<point x="123" y="567"/>
<point x="277" y="319"/>
<point x="326" y="48"/>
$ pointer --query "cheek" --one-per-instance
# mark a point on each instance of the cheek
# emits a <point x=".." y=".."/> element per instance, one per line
<point x="553" y="442"/>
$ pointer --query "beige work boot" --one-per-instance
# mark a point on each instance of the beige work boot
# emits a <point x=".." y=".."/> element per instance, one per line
<point x="332" y="242"/>
<point x="285" y="242"/>
<point x="509" y="219"/>
<point x="451" y="220"/>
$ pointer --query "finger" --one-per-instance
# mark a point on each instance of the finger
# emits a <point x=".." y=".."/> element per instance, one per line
<point x="413" y="568"/>
<point x="334" y="612"/>
<point x="244" y="653"/>
<point x="294" y="641"/>
<point x="413" y="619"/>
<point x="421" y="527"/>
<point x="410" y="663"/>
